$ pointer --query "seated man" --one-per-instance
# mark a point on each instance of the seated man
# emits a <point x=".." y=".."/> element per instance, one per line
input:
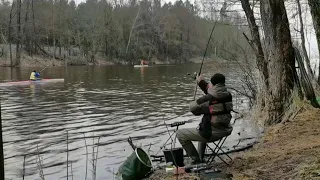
<point x="215" y="106"/>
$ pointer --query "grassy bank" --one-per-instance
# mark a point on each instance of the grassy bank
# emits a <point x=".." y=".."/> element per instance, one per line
<point x="287" y="151"/>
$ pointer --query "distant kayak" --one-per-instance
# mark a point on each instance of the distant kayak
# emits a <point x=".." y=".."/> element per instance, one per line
<point x="28" y="82"/>
<point x="140" y="65"/>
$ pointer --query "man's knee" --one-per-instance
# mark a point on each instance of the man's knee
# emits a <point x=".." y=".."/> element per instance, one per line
<point x="179" y="133"/>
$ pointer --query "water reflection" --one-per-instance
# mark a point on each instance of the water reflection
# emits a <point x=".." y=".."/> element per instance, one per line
<point x="107" y="102"/>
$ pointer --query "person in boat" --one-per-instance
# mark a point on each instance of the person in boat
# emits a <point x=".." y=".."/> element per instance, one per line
<point x="34" y="75"/>
<point x="215" y="106"/>
<point x="143" y="62"/>
<point x="38" y="75"/>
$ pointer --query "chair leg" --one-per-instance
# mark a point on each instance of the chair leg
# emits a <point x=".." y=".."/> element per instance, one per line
<point x="216" y="150"/>
<point x="211" y="158"/>
<point x="223" y="152"/>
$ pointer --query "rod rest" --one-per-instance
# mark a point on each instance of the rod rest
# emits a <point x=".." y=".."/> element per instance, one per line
<point x="177" y="124"/>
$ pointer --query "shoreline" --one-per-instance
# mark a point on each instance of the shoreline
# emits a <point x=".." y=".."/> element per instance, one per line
<point x="38" y="61"/>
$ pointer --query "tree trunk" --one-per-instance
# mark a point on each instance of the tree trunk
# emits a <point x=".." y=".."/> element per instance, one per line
<point x="135" y="20"/>
<point x="106" y="46"/>
<point x="60" y="50"/>
<point x="9" y="34"/>
<point x="26" y="41"/>
<point x="181" y="50"/>
<point x="188" y="45"/>
<point x="167" y="55"/>
<point x="34" y="29"/>
<point x="303" y="41"/>
<point x="280" y="57"/>
<point x="18" y="47"/>
<point x="53" y="34"/>
<point x="151" y="48"/>
<point x="255" y="43"/>
<point x="315" y="13"/>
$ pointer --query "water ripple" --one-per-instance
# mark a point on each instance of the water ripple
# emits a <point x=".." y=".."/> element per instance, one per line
<point x="95" y="102"/>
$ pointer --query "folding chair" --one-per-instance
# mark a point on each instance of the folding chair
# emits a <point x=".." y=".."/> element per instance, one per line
<point x="215" y="152"/>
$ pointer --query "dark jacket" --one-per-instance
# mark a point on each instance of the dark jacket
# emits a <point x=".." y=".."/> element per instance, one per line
<point x="216" y="106"/>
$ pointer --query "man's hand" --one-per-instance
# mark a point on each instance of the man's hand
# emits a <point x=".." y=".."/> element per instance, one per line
<point x="199" y="78"/>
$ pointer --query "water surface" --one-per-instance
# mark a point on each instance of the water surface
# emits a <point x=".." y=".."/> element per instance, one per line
<point x="107" y="103"/>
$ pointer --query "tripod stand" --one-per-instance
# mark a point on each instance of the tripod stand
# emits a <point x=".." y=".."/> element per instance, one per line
<point x="173" y="141"/>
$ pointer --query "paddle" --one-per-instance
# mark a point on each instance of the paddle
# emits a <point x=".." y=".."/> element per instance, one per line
<point x="43" y="69"/>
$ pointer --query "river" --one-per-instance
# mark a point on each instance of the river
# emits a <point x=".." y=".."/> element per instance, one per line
<point x="109" y="103"/>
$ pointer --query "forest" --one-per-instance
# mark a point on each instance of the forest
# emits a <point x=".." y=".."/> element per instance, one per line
<point x="118" y="32"/>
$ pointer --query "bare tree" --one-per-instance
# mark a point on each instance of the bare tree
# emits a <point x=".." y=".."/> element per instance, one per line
<point x="19" y="37"/>
<point x="133" y="25"/>
<point x="315" y="13"/>
<point x="277" y="64"/>
<point x="9" y="33"/>
<point x="53" y="34"/>
<point x="255" y="43"/>
<point x="34" y="28"/>
<point x="303" y="41"/>
<point x="25" y="30"/>
<point x="281" y="62"/>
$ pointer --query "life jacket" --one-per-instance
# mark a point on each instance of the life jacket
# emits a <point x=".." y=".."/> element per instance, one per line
<point x="37" y="75"/>
<point x="32" y="76"/>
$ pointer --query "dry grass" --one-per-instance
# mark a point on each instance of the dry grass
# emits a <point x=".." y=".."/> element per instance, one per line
<point x="288" y="151"/>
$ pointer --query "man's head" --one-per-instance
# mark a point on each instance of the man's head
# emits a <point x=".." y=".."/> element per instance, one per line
<point x="34" y="71"/>
<point x="218" y="79"/>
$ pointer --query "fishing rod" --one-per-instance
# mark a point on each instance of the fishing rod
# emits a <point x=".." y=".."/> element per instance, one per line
<point x="204" y="55"/>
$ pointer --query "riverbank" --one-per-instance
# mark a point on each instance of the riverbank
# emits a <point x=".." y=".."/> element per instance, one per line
<point x="287" y="151"/>
<point x="36" y="61"/>
<point x="40" y="61"/>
